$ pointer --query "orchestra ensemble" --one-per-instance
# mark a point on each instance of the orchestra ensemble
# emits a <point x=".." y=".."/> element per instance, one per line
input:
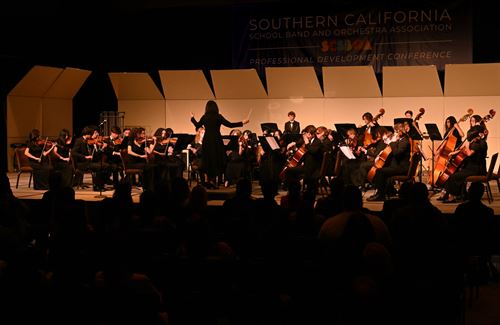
<point x="368" y="155"/>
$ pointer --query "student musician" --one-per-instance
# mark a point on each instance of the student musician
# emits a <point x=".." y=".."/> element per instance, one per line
<point x="84" y="152"/>
<point x="37" y="151"/>
<point x="475" y="148"/>
<point x="451" y="125"/>
<point x="349" y="166"/>
<point x="237" y="159"/>
<point x="112" y="152"/>
<point x="292" y="126"/>
<point x="399" y="163"/>
<point x="368" y="132"/>
<point x="358" y="176"/>
<point x="62" y="158"/>
<point x="196" y="152"/>
<point x="139" y="153"/>
<point x="312" y="158"/>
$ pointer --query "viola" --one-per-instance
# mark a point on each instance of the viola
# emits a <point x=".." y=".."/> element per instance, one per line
<point x="46" y="143"/>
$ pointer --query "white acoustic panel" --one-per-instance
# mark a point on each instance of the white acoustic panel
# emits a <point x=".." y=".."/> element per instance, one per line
<point x="411" y="81"/>
<point x="472" y="79"/>
<point x="136" y="85"/>
<point x="293" y="82"/>
<point x="350" y="82"/>
<point x="185" y="84"/>
<point x="67" y="84"/>
<point x="238" y="84"/>
<point x="36" y="82"/>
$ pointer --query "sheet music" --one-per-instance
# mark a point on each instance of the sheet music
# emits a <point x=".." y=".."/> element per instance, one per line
<point x="347" y="152"/>
<point x="226" y="141"/>
<point x="272" y="143"/>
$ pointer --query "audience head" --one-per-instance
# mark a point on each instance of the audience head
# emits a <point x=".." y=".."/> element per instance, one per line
<point x="419" y="193"/>
<point x="353" y="200"/>
<point x="243" y="188"/>
<point x="476" y="191"/>
<point x="269" y="189"/>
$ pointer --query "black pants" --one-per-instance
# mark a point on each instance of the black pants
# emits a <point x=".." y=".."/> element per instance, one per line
<point x="383" y="175"/>
<point x="455" y="184"/>
<point x="41" y="172"/>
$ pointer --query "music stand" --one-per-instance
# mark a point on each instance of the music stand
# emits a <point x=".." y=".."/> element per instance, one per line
<point x="230" y="142"/>
<point x="342" y="129"/>
<point x="268" y="128"/>
<point x="269" y="143"/>
<point x="291" y="137"/>
<point x="434" y="135"/>
<point x="183" y="139"/>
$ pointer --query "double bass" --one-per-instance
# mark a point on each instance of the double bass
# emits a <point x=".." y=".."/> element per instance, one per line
<point x="414" y="144"/>
<point x="454" y="163"/>
<point x="367" y="136"/>
<point x="445" y="147"/>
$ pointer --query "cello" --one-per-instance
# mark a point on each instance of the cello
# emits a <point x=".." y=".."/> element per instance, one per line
<point x="381" y="159"/>
<point x="445" y="147"/>
<point x="367" y="136"/>
<point x="455" y="162"/>
<point x="294" y="160"/>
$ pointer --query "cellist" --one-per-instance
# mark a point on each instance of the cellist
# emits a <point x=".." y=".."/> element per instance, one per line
<point x="399" y="163"/>
<point x="475" y="148"/>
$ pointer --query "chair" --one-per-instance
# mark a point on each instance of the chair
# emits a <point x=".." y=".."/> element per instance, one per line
<point x="323" y="182"/>
<point x="77" y="173"/>
<point x="23" y="165"/>
<point x="496" y="177"/>
<point x="412" y="170"/>
<point x="485" y="178"/>
<point x="129" y="172"/>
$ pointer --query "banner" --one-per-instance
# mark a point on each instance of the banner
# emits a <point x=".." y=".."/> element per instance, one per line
<point x="425" y="34"/>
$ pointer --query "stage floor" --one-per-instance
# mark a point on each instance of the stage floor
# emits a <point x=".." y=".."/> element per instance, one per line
<point x="217" y="197"/>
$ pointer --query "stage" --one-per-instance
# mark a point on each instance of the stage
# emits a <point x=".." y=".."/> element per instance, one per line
<point x="217" y="197"/>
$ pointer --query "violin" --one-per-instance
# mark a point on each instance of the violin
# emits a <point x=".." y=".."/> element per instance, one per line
<point x="148" y="140"/>
<point x="167" y="141"/>
<point x="46" y="143"/>
<point x="117" y="141"/>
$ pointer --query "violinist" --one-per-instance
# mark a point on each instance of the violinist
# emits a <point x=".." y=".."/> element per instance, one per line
<point x="399" y="162"/>
<point x="475" y="148"/>
<point x="83" y="153"/>
<point x="112" y="153"/>
<point x="36" y="150"/>
<point x="138" y="151"/>
<point x="196" y="151"/>
<point x="125" y="138"/>
<point x="61" y="158"/>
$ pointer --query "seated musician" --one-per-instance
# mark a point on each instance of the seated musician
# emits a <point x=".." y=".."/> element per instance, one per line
<point x="139" y="151"/>
<point x="36" y="151"/>
<point x="399" y="162"/>
<point x="349" y="166"/>
<point x="84" y="152"/>
<point x="237" y="159"/>
<point x="197" y="153"/>
<point x="112" y="152"/>
<point x="475" y="148"/>
<point x="61" y="158"/>
<point x="358" y="176"/>
<point x="312" y="158"/>
<point x="125" y="137"/>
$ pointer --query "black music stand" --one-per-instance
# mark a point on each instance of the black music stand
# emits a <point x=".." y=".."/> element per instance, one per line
<point x="268" y="128"/>
<point x="183" y="139"/>
<point x="434" y="135"/>
<point x="230" y="142"/>
<point x="101" y="176"/>
<point x="269" y="143"/>
<point x="342" y="129"/>
<point x="291" y="137"/>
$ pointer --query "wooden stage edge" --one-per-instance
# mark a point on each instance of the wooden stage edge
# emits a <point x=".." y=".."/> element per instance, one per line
<point x="217" y="197"/>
